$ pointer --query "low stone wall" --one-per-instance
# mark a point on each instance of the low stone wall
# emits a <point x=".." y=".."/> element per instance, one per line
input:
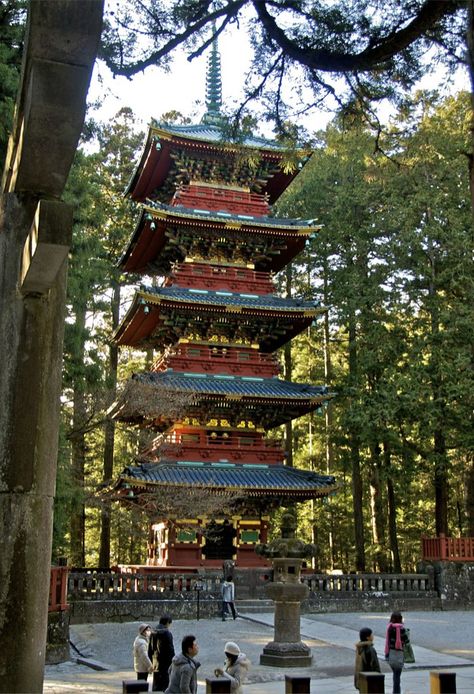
<point x="139" y="609"/>
<point x="370" y="602"/>
<point x="454" y="582"/>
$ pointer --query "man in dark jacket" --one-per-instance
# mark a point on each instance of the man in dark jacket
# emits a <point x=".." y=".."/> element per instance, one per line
<point x="161" y="653"/>
<point x="366" y="656"/>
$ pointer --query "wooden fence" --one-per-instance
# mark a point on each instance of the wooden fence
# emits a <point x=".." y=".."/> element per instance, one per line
<point x="444" y="548"/>
<point x="58" y="587"/>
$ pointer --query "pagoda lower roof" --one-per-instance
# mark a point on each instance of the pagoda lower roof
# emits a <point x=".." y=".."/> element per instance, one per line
<point x="253" y="479"/>
<point x="141" y="322"/>
<point x="149" y="397"/>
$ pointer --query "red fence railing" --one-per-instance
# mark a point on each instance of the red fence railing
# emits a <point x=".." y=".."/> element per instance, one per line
<point x="58" y="589"/>
<point x="444" y="548"/>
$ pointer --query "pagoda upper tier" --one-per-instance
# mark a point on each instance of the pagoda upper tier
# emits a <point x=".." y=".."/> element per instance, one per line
<point x="180" y="155"/>
<point x="166" y="234"/>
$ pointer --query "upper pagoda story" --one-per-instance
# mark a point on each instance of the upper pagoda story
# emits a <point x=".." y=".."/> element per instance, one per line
<point x="176" y="158"/>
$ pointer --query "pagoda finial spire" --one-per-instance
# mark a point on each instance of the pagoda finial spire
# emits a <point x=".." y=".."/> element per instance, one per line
<point x="213" y="114"/>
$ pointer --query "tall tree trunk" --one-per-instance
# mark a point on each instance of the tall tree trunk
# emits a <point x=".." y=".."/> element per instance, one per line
<point x="328" y="412"/>
<point x="287" y="372"/>
<point x="104" y="550"/>
<point x="377" y="511"/>
<point x="357" y="488"/>
<point x="470" y="497"/>
<point x="78" y="445"/>
<point x="392" y="511"/>
<point x="441" y="464"/>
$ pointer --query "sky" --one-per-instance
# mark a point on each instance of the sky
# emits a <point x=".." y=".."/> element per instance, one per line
<point x="154" y="92"/>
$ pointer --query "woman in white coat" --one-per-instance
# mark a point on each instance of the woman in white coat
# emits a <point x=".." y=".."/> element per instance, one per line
<point x="236" y="667"/>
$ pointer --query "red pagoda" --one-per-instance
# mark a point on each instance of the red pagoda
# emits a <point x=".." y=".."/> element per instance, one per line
<point x="213" y="393"/>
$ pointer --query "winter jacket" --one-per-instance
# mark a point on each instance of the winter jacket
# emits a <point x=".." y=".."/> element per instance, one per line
<point x="396" y="637"/>
<point x="366" y="660"/>
<point x="237" y="673"/>
<point x="183" y="675"/>
<point x="228" y="591"/>
<point x="141" y="661"/>
<point x="161" y="644"/>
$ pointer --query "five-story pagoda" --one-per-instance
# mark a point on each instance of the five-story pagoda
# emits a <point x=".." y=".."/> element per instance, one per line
<point x="213" y="392"/>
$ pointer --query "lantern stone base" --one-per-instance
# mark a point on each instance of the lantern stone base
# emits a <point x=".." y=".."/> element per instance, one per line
<point x="281" y="654"/>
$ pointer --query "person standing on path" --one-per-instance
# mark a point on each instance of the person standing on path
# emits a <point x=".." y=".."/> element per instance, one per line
<point x="395" y="639"/>
<point x="184" y="667"/>
<point x="228" y="596"/>
<point x="235" y="668"/>
<point x="141" y="661"/>
<point x="161" y="652"/>
<point x="366" y="659"/>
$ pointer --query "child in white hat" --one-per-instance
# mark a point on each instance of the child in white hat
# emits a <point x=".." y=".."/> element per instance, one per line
<point x="235" y="668"/>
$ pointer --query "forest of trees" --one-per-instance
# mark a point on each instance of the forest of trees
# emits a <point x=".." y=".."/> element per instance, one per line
<point x="393" y="265"/>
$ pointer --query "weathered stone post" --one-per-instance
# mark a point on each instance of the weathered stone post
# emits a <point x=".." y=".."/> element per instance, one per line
<point x="287" y="554"/>
<point x="35" y="233"/>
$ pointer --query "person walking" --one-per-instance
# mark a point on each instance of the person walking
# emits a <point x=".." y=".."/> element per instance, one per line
<point x="236" y="667"/>
<point x="161" y="653"/>
<point x="395" y="640"/>
<point x="228" y="596"/>
<point x="141" y="661"/>
<point x="184" y="667"/>
<point x="366" y="659"/>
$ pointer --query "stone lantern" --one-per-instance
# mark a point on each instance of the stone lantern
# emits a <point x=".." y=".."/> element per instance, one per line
<point x="287" y="554"/>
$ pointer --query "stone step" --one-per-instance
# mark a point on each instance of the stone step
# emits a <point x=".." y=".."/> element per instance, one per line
<point x="254" y="606"/>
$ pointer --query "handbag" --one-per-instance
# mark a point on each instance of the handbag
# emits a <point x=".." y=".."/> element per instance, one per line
<point x="408" y="649"/>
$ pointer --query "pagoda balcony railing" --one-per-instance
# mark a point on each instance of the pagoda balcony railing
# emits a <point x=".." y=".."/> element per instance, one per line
<point x="221" y="200"/>
<point x="263" y="451"/>
<point x="444" y="548"/>
<point x="252" y="282"/>
<point x="227" y="367"/>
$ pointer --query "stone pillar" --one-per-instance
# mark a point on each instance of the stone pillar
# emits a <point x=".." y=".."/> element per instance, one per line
<point x="60" y="47"/>
<point x="31" y="327"/>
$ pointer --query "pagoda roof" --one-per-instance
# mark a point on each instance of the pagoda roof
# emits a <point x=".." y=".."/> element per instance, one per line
<point x="253" y="479"/>
<point x="149" y="248"/>
<point x="273" y="400"/>
<point x="157" y="169"/>
<point x="214" y="133"/>
<point x="280" y="318"/>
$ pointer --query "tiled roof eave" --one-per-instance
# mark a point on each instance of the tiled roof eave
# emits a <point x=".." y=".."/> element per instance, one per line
<point x="275" y="225"/>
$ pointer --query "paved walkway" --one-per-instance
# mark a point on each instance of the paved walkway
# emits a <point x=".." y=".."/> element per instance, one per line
<point x="441" y="640"/>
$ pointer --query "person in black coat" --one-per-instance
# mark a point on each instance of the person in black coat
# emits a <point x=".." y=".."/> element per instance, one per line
<point x="161" y="653"/>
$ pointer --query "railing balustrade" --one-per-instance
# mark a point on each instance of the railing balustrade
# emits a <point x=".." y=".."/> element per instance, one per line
<point x="112" y="585"/>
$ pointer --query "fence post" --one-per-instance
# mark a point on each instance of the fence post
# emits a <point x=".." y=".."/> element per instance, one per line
<point x="371" y="683"/>
<point x="295" y="684"/>
<point x="442" y="682"/>
<point x="129" y="686"/>
<point x="217" y="685"/>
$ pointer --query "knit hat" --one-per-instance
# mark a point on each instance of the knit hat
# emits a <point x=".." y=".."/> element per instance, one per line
<point x="143" y="627"/>
<point x="231" y="648"/>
